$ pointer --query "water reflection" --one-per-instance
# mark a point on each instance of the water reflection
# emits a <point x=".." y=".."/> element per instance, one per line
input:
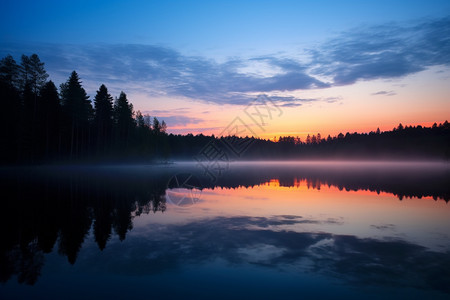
<point x="400" y="179"/>
<point x="48" y="207"/>
<point x="57" y="209"/>
<point x="258" y="241"/>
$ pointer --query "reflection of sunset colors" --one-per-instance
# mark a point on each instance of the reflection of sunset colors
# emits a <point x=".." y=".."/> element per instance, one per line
<point x="332" y="210"/>
<point x="287" y="221"/>
<point x="225" y="149"/>
<point x="317" y="184"/>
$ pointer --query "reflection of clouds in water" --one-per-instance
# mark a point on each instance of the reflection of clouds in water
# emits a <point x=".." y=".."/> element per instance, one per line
<point x="261" y="253"/>
<point x="336" y="221"/>
<point x="43" y="196"/>
<point x="384" y="227"/>
<point x="404" y="180"/>
<point x="289" y="217"/>
<point x="250" y="240"/>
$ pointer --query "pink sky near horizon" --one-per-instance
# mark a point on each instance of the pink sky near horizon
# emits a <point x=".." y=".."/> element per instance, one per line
<point x="418" y="99"/>
<point x="332" y="66"/>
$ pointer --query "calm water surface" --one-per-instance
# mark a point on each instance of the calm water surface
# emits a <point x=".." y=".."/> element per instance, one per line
<point x="257" y="231"/>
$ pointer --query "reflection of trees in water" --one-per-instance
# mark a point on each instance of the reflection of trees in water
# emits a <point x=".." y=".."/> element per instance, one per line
<point x="24" y="260"/>
<point x="43" y="209"/>
<point x="40" y="211"/>
<point x="401" y="181"/>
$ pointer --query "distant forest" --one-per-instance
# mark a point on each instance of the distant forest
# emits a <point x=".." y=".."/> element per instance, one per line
<point x="42" y="123"/>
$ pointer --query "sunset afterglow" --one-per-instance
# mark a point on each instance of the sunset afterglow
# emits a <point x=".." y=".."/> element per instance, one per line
<point x="225" y="149"/>
<point x="373" y="66"/>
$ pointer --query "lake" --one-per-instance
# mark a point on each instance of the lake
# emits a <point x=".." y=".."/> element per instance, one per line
<point x="254" y="230"/>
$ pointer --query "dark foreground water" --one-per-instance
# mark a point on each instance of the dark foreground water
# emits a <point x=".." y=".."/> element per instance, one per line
<point x="255" y="231"/>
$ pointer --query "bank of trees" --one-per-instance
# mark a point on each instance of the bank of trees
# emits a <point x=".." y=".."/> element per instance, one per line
<point x="400" y="143"/>
<point x="41" y="123"/>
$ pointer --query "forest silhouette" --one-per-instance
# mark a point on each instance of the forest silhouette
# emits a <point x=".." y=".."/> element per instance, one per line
<point x="44" y="124"/>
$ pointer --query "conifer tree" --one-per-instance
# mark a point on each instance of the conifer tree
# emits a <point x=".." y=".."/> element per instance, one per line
<point x="103" y="118"/>
<point x="78" y="113"/>
<point x="123" y="121"/>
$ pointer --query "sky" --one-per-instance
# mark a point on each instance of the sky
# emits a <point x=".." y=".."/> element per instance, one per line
<point x="205" y="66"/>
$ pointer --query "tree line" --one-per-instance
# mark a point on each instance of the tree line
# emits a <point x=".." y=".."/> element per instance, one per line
<point x="44" y="124"/>
<point x="41" y="123"/>
<point x="402" y="142"/>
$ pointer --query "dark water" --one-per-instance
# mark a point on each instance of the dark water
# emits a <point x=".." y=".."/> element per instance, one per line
<point x="255" y="231"/>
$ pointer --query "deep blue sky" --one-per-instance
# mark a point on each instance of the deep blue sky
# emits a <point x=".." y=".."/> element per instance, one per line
<point x="196" y="54"/>
<point x="203" y="26"/>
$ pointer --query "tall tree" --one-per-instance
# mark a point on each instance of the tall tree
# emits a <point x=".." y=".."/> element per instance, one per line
<point x="78" y="112"/>
<point x="50" y="119"/>
<point x="9" y="72"/>
<point x="156" y="126"/>
<point x="308" y="139"/>
<point x="32" y="77"/>
<point x="124" y="121"/>
<point x="103" y="118"/>
<point x="10" y="111"/>
<point x="33" y="73"/>
<point x="28" y="125"/>
<point x="140" y="122"/>
<point x="163" y="127"/>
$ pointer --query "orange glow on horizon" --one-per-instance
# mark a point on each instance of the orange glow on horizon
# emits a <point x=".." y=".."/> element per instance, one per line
<point x="311" y="187"/>
<point x="274" y="136"/>
<point x="418" y="100"/>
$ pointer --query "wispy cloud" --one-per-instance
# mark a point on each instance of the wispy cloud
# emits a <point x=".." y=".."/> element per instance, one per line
<point x="154" y="70"/>
<point x="180" y="120"/>
<point x="290" y="101"/>
<point x="388" y="51"/>
<point x="274" y="244"/>
<point x="159" y="112"/>
<point x="174" y="117"/>
<point x="385" y="93"/>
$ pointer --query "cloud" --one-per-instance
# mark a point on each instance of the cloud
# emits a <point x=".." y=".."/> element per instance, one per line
<point x="154" y="69"/>
<point x="174" y="117"/>
<point x="290" y="101"/>
<point x="268" y="243"/>
<point x="180" y="120"/>
<point x="386" y="93"/>
<point x="331" y="99"/>
<point x="384" y="227"/>
<point x="153" y="112"/>
<point x="386" y="51"/>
